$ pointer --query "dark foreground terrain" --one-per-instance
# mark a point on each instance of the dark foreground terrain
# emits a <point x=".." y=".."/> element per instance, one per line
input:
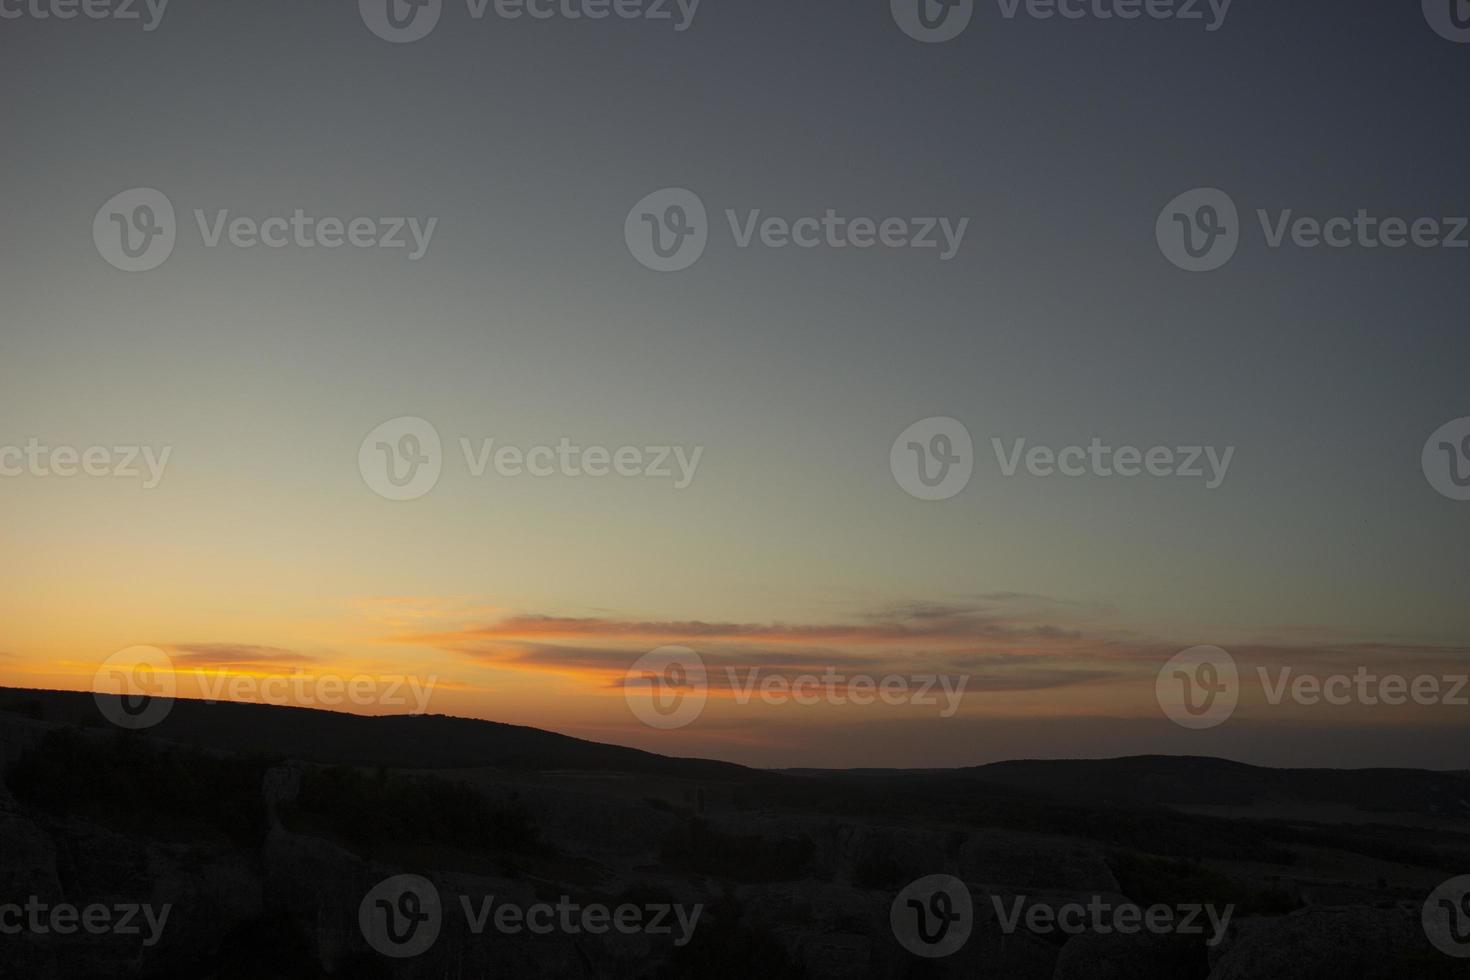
<point x="275" y="836"/>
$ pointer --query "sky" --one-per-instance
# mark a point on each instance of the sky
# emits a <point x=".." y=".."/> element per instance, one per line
<point x="266" y="547"/>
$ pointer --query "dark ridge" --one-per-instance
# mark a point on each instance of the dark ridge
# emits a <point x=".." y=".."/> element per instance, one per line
<point x="395" y="741"/>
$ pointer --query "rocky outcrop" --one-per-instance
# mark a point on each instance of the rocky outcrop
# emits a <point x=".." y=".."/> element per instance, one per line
<point x="198" y="895"/>
<point x="1361" y="943"/>
<point x="1139" y="956"/>
<point x="1027" y="863"/>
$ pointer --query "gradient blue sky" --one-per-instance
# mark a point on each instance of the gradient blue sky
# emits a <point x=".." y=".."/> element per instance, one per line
<point x="528" y="321"/>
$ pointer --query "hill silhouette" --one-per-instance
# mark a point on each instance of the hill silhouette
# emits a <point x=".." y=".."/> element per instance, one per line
<point x="266" y="826"/>
<point x="395" y="741"/>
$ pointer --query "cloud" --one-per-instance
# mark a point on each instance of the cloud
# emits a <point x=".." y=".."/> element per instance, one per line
<point x="895" y="624"/>
<point x="1002" y="642"/>
<point x="235" y="655"/>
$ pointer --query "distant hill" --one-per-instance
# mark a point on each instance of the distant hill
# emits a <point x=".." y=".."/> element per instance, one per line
<point x="442" y="742"/>
<point x="249" y="820"/>
<point x="394" y="741"/>
<point x="1186" y="781"/>
<point x="1202" y="781"/>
